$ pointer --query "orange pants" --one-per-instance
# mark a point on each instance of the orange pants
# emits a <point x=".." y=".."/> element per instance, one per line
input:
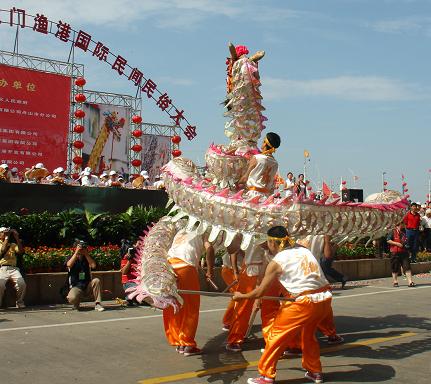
<point x="228" y="278"/>
<point x="290" y="319"/>
<point x="269" y="308"/>
<point x="241" y="310"/>
<point x="180" y="328"/>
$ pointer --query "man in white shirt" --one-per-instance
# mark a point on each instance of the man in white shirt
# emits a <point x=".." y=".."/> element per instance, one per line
<point x="426" y="224"/>
<point x="289" y="185"/>
<point x="89" y="180"/>
<point x="299" y="272"/>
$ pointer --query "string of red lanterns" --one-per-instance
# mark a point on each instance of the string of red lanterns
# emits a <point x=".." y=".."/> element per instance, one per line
<point x="79" y="128"/>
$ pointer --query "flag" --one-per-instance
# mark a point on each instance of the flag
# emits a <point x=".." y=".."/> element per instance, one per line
<point x="306" y="153"/>
<point x="326" y="190"/>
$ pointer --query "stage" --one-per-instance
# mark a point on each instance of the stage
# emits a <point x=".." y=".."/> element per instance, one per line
<point x="56" y="198"/>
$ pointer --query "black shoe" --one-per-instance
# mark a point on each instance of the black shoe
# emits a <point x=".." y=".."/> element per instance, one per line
<point x="343" y="283"/>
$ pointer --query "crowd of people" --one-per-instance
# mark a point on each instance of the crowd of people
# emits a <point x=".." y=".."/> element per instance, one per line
<point x="38" y="174"/>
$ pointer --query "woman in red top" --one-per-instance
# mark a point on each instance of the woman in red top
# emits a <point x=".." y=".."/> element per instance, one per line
<point x="397" y="241"/>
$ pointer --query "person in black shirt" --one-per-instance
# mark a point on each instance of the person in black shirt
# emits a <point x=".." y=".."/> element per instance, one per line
<point x="80" y="281"/>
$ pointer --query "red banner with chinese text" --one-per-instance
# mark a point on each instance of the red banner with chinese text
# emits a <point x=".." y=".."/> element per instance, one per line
<point x="34" y="118"/>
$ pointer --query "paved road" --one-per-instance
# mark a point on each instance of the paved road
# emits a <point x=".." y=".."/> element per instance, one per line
<point x="387" y="333"/>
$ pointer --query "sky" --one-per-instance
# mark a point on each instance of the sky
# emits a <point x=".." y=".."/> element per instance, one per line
<point x="347" y="80"/>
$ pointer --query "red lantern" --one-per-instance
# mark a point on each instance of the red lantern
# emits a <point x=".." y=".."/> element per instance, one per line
<point x="78" y="144"/>
<point x="407" y="196"/>
<point x="385" y="190"/>
<point x="80" y="82"/>
<point x="344" y="182"/>
<point x="406" y="189"/>
<point x="136" y="162"/>
<point x="385" y="183"/>
<point x="80" y="98"/>
<point x="137" y="119"/>
<point x="176" y="153"/>
<point x="404" y="184"/>
<point x="137" y="148"/>
<point x="137" y="133"/>
<point x="176" y="139"/>
<point x="77" y="160"/>
<point x="309" y="188"/>
<point x="78" y="128"/>
<point x="75" y="176"/>
<point x="79" y="114"/>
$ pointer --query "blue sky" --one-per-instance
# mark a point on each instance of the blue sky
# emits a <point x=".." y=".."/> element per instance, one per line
<point x="348" y="80"/>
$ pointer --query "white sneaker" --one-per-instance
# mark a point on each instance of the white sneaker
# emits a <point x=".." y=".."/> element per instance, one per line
<point x="20" y="305"/>
<point x="98" y="307"/>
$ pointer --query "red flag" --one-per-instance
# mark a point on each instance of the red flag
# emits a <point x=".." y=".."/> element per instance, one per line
<point x="326" y="190"/>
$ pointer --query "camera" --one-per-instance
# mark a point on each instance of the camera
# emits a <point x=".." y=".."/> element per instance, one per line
<point x="131" y="252"/>
<point x="81" y="243"/>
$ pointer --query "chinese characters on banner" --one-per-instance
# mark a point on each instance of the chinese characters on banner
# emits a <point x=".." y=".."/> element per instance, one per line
<point x="83" y="41"/>
<point x="156" y="152"/>
<point x="34" y="118"/>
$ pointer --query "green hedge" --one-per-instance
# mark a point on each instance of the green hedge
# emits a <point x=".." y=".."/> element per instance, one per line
<point x="61" y="229"/>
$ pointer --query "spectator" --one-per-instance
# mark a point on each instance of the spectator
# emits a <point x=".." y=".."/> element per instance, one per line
<point x="397" y="241"/>
<point x="113" y="180"/>
<point x="14" y="176"/>
<point x="289" y="185"/>
<point x="103" y="179"/>
<point x="88" y="179"/>
<point x="9" y="249"/>
<point x="36" y="173"/>
<point x="146" y="179"/>
<point x="58" y="177"/>
<point x="412" y="222"/>
<point x="300" y="186"/>
<point x="80" y="282"/>
<point x="4" y="173"/>
<point x="158" y="183"/>
<point x="426" y="224"/>
<point x="127" y="253"/>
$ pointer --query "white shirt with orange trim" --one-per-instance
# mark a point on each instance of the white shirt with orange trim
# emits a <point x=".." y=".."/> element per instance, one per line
<point x="262" y="175"/>
<point x="187" y="246"/>
<point x="301" y="273"/>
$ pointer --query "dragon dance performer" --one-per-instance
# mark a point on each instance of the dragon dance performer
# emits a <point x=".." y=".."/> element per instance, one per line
<point x="298" y="271"/>
<point x="184" y="256"/>
<point x="260" y="176"/>
<point x="248" y="279"/>
<point x="233" y="260"/>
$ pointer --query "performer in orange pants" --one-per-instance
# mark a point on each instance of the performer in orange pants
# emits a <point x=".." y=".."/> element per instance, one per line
<point x="300" y="274"/>
<point x="180" y="328"/>
<point x="248" y="278"/>
<point x="184" y="256"/>
<point x="270" y="308"/>
<point x="228" y="277"/>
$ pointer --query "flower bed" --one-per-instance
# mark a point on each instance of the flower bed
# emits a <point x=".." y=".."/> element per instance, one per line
<point x="355" y="252"/>
<point x="46" y="259"/>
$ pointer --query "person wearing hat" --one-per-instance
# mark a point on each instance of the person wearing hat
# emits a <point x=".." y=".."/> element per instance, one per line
<point x="103" y="179"/>
<point x="58" y="177"/>
<point x="158" y="183"/>
<point x="14" y="176"/>
<point x="142" y="180"/>
<point x="4" y="173"/>
<point x="10" y="247"/>
<point x="36" y="173"/>
<point x="300" y="274"/>
<point x="260" y="176"/>
<point x="88" y="179"/>
<point x="113" y="179"/>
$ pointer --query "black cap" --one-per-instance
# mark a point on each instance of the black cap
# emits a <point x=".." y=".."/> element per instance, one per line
<point x="273" y="139"/>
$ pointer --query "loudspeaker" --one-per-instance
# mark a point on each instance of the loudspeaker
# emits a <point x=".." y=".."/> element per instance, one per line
<point x="354" y="195"/>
